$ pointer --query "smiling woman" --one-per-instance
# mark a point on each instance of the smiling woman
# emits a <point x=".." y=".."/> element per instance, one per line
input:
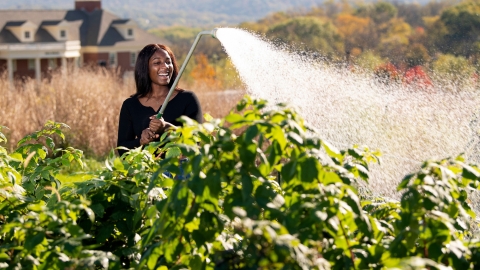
<point x="155" y="71"/>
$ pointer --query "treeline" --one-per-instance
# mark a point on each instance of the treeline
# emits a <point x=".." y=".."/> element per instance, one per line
<point x="440" y="36"/>
<point x="181" y="12"/>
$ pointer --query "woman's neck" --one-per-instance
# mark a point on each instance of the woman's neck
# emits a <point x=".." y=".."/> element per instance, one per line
<point x="159" y="91"/>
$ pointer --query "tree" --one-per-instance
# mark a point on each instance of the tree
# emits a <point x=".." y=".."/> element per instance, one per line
<point x="450" y="67"/>
<point x="395" y="40"/>
<point x="463" y="25"/>
<point x="416" y="55"/>
<point x="356" y="31"/>
<point x="380" y="13"/>
<point x="411" y="12"/>
<point x="263" y="25"/>
<point x="308" y="33"/>
<point x="435" y="34"/>
<point x="203" y="73"/>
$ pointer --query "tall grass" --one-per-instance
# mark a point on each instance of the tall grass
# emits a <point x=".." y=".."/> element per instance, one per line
<point x="88" y="100"/>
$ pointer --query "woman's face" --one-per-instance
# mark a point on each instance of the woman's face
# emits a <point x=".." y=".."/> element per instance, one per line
<point x="160" y="68"/>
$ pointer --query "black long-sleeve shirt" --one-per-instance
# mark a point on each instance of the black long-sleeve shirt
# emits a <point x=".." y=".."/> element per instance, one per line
<point x="134" y="117"/>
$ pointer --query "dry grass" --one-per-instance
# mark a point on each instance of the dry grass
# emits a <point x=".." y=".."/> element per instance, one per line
<point x="88" y="100"/>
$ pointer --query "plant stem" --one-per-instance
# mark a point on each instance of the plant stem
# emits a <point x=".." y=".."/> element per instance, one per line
<point x="352" y="256"/>
<point x="425" y="250"/>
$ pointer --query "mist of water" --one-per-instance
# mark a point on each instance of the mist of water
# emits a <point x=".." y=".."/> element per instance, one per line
<point x="348" y="107"/>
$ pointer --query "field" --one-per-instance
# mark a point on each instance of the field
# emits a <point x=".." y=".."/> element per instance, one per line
<point x="88" y="100"/>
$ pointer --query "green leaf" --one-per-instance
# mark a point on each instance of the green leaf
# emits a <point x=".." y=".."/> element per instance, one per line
<point x="332" y="151"/>
<point x="154" y="253"/>
<point x="470" y="173"/>
<point x="406" y="180"/>
<point x="251" y="133"/>
<point x="196" y="262"/>
<point x="247" y="188"/>
<point x="173" y="152"/>
<point x="118" y="164"/>
<point x="104" y="232"/>
<point x="289" y="170"/>
<point x="32" y="241"/>
<point x="309" y="169"/>
<point x="294" y="137"/>
<point x="98" y="209"/>
<point x="234" y="118"/>
<point x="50" y="143"/>
<point x="242" y="104"/>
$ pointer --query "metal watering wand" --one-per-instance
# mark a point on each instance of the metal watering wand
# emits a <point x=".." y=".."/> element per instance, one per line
<point x="182" y="68"/>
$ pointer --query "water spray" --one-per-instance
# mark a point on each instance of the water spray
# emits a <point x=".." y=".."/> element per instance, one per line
<point x="182" y="68"/>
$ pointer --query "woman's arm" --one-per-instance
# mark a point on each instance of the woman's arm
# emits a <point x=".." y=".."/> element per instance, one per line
<point x="126" y="133"/>
<point x="194" y="110"/>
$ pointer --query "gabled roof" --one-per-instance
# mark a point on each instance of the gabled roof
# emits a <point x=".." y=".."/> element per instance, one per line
<point x="15" y="23"/>
<point x="53" y="23"/>
<point x="122" y="22"/>
<point x="96" y="28"/>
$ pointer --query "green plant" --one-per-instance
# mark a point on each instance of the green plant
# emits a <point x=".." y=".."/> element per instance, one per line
<point x="259" y="190"/>
<point x="38" y="229"/>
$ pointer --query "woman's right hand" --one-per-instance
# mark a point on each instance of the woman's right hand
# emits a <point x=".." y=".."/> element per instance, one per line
<point x="147" y="136"/>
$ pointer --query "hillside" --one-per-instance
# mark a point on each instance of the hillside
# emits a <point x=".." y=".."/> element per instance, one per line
<point x="151" y="13"/>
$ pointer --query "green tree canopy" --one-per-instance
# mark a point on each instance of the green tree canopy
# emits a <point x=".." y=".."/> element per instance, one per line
<point x="380" y="13"/>
<point x="463" y="24"/>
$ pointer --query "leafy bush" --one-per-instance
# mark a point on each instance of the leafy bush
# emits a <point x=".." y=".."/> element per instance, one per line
<point x="258" y="191"/>
<point x="454" y="68"/>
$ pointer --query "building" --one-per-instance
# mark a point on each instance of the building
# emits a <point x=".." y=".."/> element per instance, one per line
<point x="34" y="42"/>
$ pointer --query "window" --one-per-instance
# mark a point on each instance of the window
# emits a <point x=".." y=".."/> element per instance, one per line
<point x="14" y="65"/>
<point x="133" y="58"/>
<point x="129" y="32"/>
<point x="52" y="63"/>
<point x="27" y="34"/>
<point x="112" y="59"/>
<point x="31" y="64"/>
<point x="63" y="33"/>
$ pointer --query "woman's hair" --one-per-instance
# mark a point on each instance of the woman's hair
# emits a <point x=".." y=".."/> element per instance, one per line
<point x="143" y="82"/>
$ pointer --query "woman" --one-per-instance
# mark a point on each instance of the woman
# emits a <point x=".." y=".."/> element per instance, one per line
<point x="155" y="71"/>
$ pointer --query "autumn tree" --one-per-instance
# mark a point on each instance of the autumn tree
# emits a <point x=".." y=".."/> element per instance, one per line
<point x="356" y="31"/>
<point x="394" y="41"/>
<point x="310" y="34"/>
<point x="204" y="74"/>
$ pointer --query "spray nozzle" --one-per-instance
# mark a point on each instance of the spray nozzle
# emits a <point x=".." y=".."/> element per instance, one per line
<point x="214" y="32"/>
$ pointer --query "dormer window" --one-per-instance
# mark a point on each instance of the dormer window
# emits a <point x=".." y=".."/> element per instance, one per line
<point x="125" y="27"/>
<point x="58" y="29"/>
<point x="24" y="31"/>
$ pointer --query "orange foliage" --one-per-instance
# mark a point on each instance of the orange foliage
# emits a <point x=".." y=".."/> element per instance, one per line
<point x="355" y="30"/>
<point x="204" y="74"/>
<point x="349" y="25"/>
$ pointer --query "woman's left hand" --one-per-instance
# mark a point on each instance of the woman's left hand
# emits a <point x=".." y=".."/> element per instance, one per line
<point x="157" y="125"/>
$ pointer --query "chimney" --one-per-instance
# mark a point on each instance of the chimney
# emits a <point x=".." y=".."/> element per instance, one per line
<point x="88" y="5"/>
